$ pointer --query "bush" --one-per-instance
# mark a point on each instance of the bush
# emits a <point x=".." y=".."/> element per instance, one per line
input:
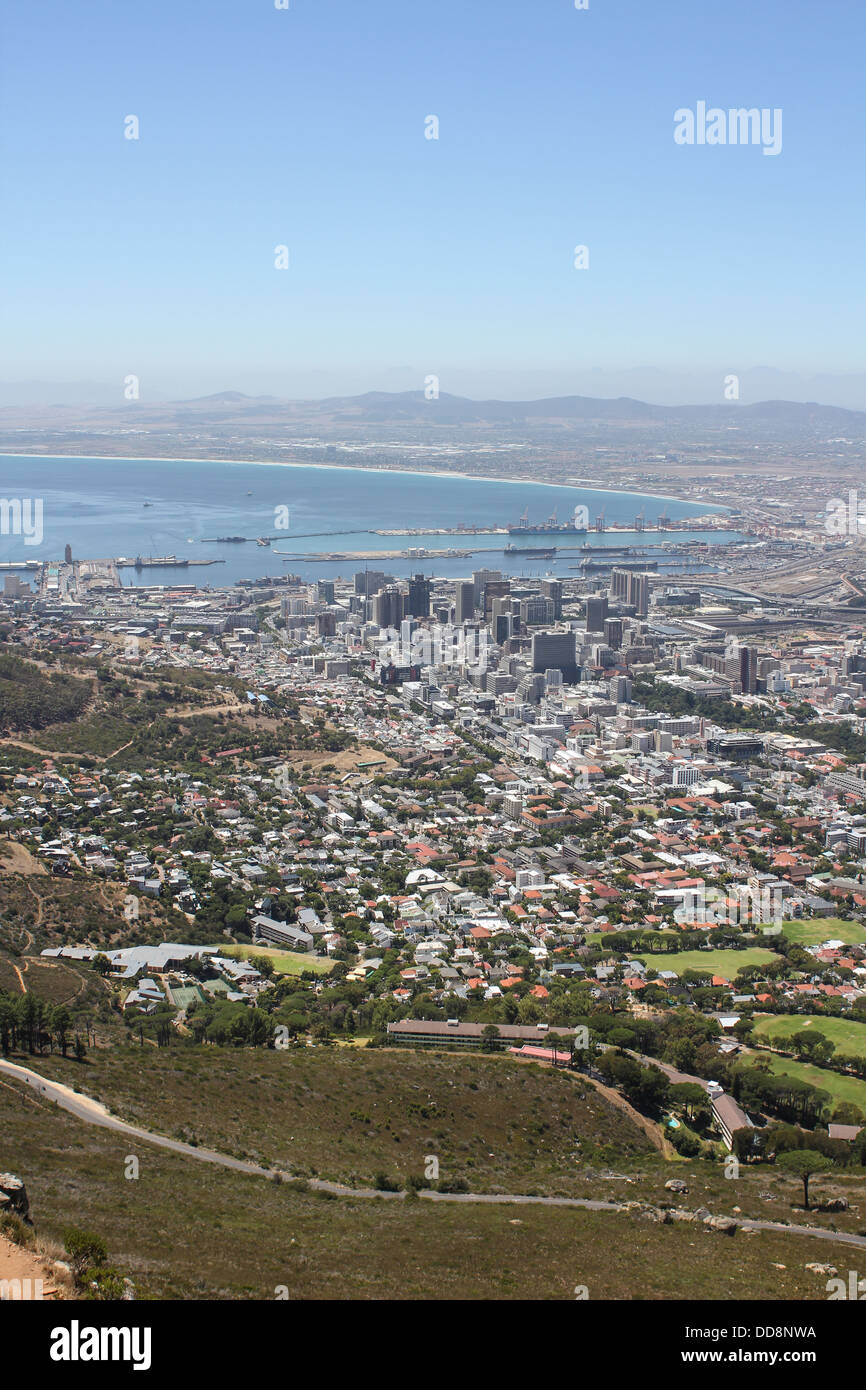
<point x="85" y="1250"/>
<point x="383" y="1183"/>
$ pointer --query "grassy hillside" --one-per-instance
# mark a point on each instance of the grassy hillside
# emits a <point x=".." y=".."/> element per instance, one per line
<point x="348" y="1114"/>
<point x="186" y="1230"/>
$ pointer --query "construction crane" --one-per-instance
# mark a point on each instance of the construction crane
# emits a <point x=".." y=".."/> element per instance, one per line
<point x="599" y="521"/>
<point x="640" y="519"/>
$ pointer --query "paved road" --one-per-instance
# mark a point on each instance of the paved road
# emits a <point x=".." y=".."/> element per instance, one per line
<point x="92" y="1112"/>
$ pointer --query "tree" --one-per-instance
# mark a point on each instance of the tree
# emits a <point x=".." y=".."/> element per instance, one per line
<point x="84" y="1249"/>
<point x="101" y="964"/>
<point x="490" y="1038"/>
<point x="804" y="1163"/>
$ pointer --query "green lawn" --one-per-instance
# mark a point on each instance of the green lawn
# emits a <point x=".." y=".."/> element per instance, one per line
<point x="848" y="1036"/>
<point x="818" y="929"/>
<point x="839" y="1087"/>
<point x="285" y="962"/>
<point x="724" y="963"/>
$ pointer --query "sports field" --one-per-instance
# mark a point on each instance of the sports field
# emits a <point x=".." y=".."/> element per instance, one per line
<point x="847" y="1036"/>
<point x="285" y="962"/>
<point x="724" y="963"/>
<point x="818" y="929"/>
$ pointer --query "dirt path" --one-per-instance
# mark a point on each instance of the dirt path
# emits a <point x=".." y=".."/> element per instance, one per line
<point x="17" y="1262"/>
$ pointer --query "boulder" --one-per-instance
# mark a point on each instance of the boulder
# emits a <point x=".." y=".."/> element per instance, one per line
<point x="676" y="1185"/>
<point x="835" y="1204"/>
<point x="15" y="1193"/>
<point x="822" y="1269"/>
<point x="726" y="1225"/>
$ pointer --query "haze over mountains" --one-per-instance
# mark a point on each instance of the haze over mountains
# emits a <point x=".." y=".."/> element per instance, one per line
<point x="414" y="408"/>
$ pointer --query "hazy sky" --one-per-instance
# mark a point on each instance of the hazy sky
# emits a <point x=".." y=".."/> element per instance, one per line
<point x="305" y="127"/>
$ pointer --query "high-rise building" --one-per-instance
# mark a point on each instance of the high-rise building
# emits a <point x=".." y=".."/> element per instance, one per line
<point x="555" y="649"/>
<point x="552" y="589"/>
<point x="596" y="612"/>
<point x="388" y="607"/>
<point x="418" y="605"/>
<point x="464" y="601"/>
<point x="613" y="630"/>
<point x="748" y="669"/>
<point x="369" y="582"/>
<point x="480" y="578"/>
<point x="494" y="589"/>
<point x="639" y="593"/>
<point x="325" y="590"/>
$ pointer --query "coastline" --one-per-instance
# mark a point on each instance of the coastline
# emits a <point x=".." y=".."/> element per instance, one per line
<point x="351" y="468"/>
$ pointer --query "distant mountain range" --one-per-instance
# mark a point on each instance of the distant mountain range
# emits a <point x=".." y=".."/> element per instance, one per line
<point x="374" y="411"/>
<point x="393" y="407"/>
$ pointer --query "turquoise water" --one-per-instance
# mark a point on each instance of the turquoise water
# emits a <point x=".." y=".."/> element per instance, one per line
<point x="98" y="507"/>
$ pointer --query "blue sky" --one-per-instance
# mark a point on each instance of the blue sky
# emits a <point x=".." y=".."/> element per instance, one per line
<point x="410" y="256"/>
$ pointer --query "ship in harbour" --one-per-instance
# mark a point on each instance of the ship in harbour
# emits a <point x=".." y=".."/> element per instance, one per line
<point x="537" y="552"/>
<point x="578" y="526"/>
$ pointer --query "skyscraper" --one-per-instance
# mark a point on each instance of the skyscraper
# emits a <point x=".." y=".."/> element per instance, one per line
<point x="596" y="612"/>
<point x="464" y="601"/>
<point x="418" y="605"/>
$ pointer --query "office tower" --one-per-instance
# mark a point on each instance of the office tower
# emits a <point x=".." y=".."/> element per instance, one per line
<point x="325" y="590"/>
<point x="748" y="669"/>
<point x="388" y="607"/>
<point x="552" y="589"/>
<point x="418" y="605"/>
<point x="494" y="589"/>
<point x="613" y="629"/>
<point x="369" y="582"/>
<point x="503" y="627"/>
<point x="535" y="610"/>
<point x="480" y="578"/>
<point x="619" y="585"/>
<point x="326" y="623"/>
<point x="620" y="690"/>
<point x="596" y="612"/>
<point x="464" y="601"/>
<point x="555" y="649"/>
<point x="639" y="593"/>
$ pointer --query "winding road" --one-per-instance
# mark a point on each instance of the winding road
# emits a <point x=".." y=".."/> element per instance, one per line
<point x="94" y="1113"/>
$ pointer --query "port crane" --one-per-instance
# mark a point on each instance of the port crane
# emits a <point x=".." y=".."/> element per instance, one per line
<point x="599" y="521"/>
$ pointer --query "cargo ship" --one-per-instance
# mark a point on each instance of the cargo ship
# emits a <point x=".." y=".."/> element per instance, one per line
<point x="578" y="526"/>
<point x="536" y="552"/>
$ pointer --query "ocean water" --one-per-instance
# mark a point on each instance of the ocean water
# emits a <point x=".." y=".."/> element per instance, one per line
<point x="157" y="507"/>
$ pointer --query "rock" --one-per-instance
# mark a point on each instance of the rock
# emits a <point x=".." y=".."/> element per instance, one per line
<point x="822" y="1269"/>
<point x="767" y="1196"/>
<point x="662" y="1218"/>
<point x="128" y="1294"/>
<point x="726" y="1225"/>
<point x="702" y="1213"/>
<point x="676" y="1185"/>
<point x="15" y="1192"/>
<point x="775" y="1266"/>
<point x="680" y="1214"/>
<point x="835" y="1204"/>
